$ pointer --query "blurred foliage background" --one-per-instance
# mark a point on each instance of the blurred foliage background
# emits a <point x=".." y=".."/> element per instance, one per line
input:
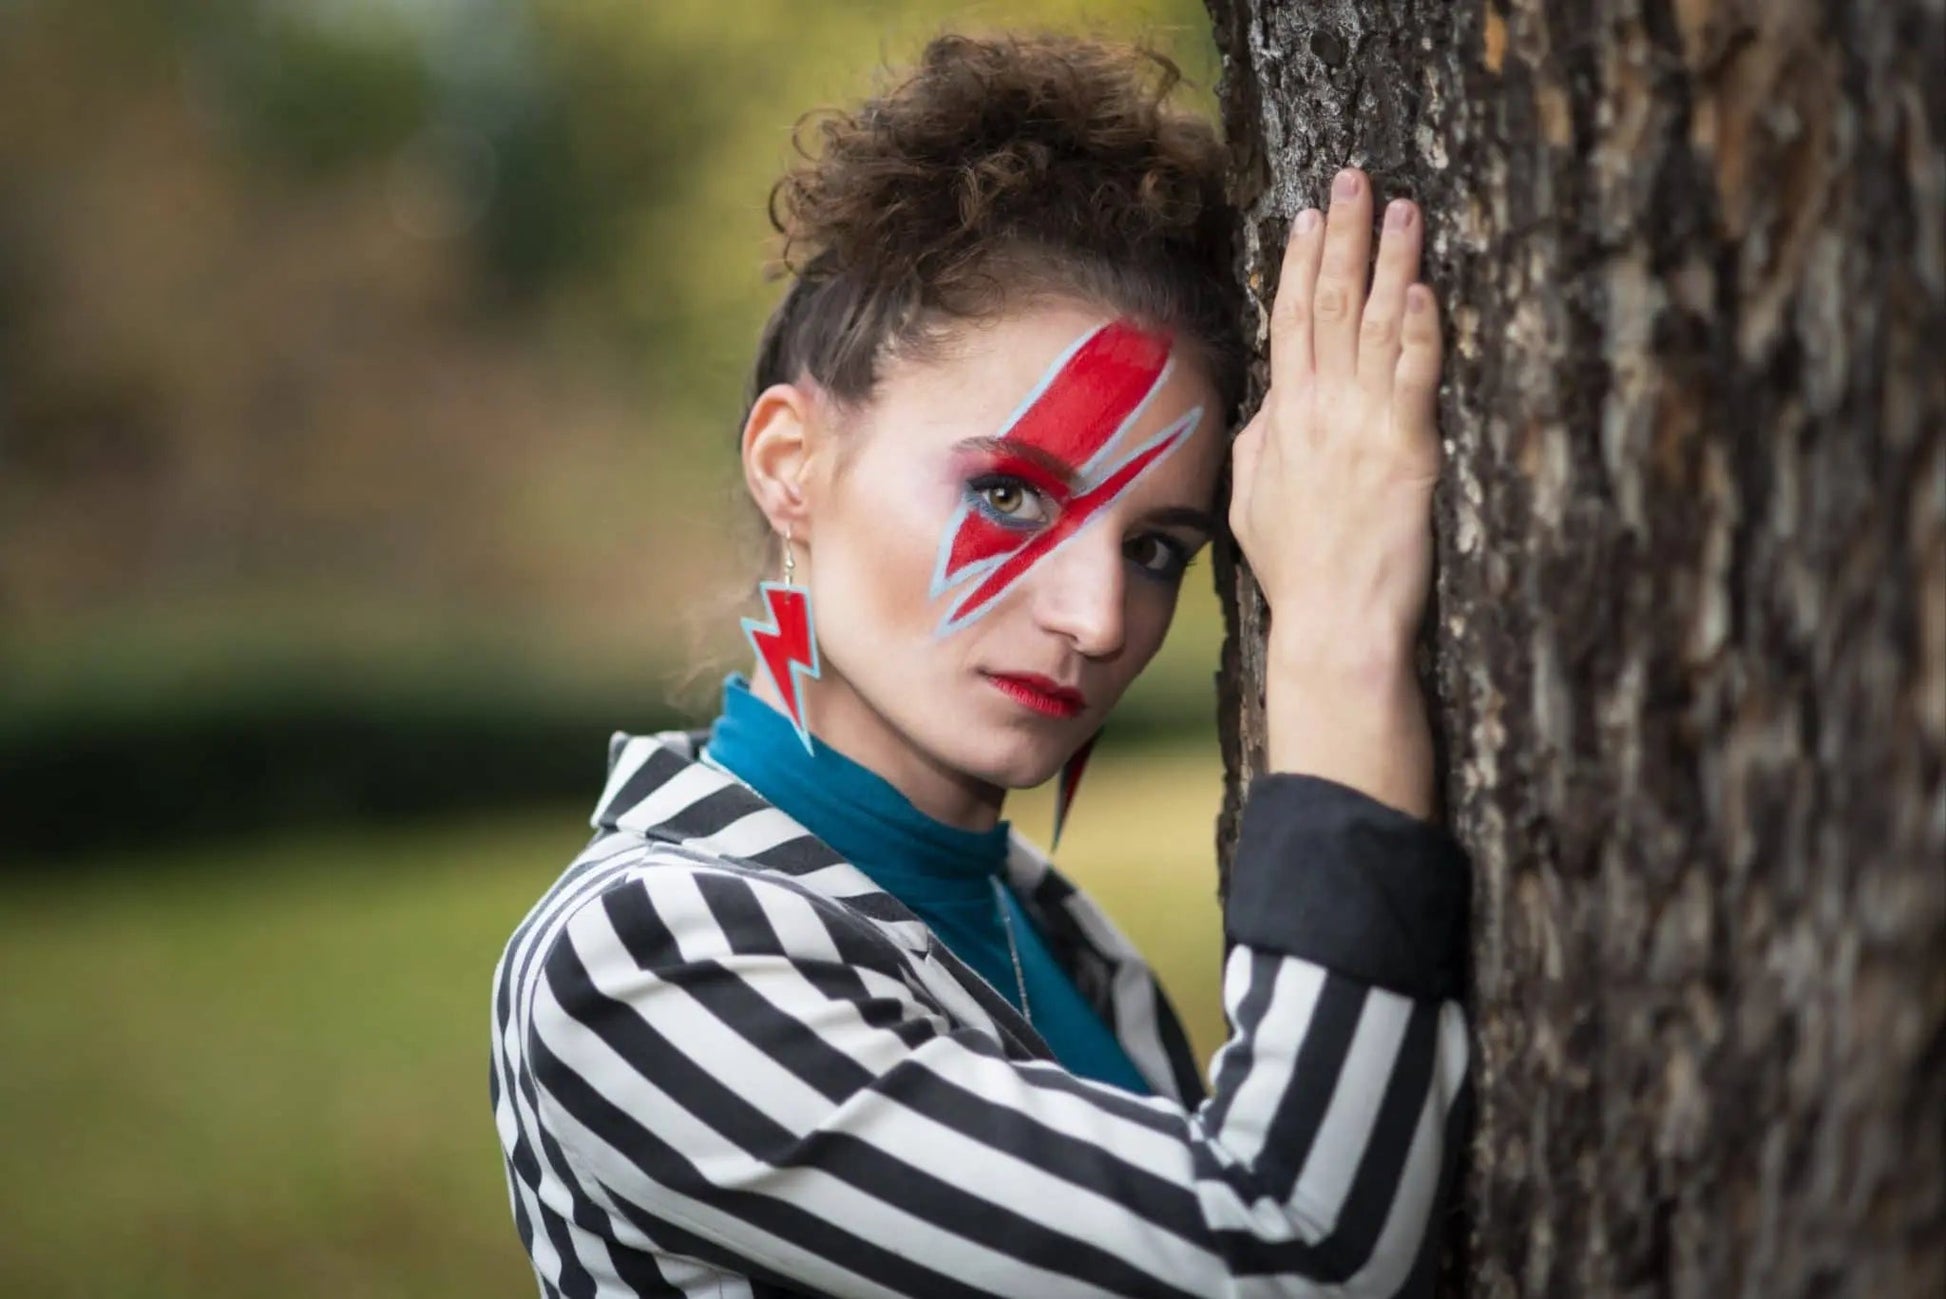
<point x="369" y="374"/>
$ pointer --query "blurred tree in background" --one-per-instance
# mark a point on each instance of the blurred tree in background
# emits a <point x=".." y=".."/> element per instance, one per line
<point x="368" y="379"/>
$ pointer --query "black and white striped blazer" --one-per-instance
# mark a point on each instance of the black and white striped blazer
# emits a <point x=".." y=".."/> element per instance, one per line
<point x="725" y="1063"/>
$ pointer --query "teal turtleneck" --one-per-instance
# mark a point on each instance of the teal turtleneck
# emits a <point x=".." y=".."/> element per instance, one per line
<point x="941" y="873"/>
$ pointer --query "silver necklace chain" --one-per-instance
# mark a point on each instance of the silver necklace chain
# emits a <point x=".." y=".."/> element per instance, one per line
<point x="1013" y="949"/>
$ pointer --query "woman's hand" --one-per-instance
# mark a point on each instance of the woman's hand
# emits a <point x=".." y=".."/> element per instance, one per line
<point x="1334" y="477"/>
<point x="1332" y="495"/>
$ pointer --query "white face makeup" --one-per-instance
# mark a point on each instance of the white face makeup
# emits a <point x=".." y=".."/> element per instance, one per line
<point x="996" y="543"/>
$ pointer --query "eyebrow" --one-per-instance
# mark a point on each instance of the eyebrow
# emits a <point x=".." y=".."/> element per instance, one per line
<point x="1046" y="460"/>
<point x="1186" y="516"/>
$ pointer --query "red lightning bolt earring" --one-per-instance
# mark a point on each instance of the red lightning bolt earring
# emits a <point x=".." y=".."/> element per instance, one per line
<point x="1070" y="781"/>
<point x="786" y="645"/>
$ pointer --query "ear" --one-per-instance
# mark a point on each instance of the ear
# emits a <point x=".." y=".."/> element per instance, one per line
<point x="779" y="436"/>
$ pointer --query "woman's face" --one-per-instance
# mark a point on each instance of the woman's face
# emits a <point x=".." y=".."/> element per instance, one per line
<point x="994" y="544"/>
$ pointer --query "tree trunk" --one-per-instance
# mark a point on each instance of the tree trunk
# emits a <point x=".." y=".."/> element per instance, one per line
<point x="1688" y="647"/>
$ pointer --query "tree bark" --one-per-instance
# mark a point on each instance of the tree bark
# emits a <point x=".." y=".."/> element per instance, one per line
<point x="1688" y="642"/>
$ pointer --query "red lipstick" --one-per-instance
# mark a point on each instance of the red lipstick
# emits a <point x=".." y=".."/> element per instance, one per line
<point x="1039" y="693"/>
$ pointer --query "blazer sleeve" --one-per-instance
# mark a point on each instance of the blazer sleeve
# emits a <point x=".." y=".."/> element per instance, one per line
<point x="741" y="1077"/>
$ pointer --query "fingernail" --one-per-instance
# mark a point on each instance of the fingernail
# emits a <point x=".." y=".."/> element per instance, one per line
<point x="1346" y="186"/>
<point x="1307" y="220"/>
<point x="1417" y="298"/>
<point x="1398" y="214"/>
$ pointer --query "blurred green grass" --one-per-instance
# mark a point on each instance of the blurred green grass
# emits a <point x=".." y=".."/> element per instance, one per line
<point x="262" y="1069"/>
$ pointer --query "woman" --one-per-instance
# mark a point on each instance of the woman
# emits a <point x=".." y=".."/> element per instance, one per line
<point x="805" y="1017"/>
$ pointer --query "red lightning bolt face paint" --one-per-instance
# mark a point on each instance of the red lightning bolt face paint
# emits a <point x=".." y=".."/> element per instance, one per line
<point x="1076" y="415"/>
<point x="786" y="648"/>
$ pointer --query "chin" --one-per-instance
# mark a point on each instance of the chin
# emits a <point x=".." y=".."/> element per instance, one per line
<point x="1009" y="761"/>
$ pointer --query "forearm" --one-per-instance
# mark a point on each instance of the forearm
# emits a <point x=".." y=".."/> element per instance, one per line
<point x="1351" y="712"/>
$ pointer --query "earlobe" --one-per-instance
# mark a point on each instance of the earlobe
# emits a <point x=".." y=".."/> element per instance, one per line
<point x="777" y="437"/>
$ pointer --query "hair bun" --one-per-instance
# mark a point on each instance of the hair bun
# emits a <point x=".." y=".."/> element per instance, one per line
<point x="1039" y="140"/>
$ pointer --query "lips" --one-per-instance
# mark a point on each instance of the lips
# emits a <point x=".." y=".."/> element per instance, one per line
<point x="1044" y="696"/>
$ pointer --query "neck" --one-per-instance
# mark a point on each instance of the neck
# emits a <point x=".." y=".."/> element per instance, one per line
<point x="845" y="721"/>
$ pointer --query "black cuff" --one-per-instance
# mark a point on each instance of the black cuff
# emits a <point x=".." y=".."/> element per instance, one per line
<point x="1333" y="876"/>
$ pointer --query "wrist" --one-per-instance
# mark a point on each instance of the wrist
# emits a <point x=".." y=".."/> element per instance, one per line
<point x="1377" y="663"/>
<point x="1360" y="721"/>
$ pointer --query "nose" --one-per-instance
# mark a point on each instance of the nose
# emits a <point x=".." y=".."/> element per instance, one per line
<point x="1080" y="593"/>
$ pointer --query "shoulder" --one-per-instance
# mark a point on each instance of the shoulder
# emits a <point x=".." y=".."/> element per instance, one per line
<point x="665" y="905"/>
<point x="674" y="955"/>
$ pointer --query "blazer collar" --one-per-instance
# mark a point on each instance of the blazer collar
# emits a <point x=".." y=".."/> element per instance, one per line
<point x="659" y="788"/>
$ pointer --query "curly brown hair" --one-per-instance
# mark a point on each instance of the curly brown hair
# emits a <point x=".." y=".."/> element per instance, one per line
<point x="995" y="171"/>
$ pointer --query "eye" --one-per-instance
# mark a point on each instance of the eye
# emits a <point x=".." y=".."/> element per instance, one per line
<point x="1007" y="500"/>
<point x="1158" y="555"/>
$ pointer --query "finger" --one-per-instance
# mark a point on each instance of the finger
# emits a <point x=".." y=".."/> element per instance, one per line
<point x="1290" y="315"/>
<point x="1417" y="385"/>
<point x="1380" y="326"/>
<point x="1341" y="275"/>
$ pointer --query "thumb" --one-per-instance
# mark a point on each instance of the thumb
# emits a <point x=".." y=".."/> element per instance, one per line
<point x="1245" y="449"/>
